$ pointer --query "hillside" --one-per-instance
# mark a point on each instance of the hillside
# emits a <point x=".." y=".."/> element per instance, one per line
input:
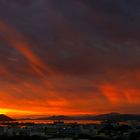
<point x="5" y="118"/>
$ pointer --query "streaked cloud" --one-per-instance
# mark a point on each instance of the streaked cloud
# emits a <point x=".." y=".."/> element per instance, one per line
<point x="69" y="57"/>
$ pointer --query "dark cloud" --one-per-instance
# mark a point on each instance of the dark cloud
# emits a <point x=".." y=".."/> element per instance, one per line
<point x="94" y="43"/>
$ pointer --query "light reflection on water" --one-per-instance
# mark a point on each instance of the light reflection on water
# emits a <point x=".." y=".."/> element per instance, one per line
<point x="65" y="121"/>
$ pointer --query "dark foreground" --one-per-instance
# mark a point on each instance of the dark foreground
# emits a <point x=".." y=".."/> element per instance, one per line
<point x="63" y="131"/>
<point x="135" y="136"/>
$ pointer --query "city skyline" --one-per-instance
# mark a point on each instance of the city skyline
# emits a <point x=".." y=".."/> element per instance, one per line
<point x="69" y="57"/>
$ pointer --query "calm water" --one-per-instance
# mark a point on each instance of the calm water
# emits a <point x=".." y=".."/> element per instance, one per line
<point x="52" y="121"/>
<point x="65" y="121"/>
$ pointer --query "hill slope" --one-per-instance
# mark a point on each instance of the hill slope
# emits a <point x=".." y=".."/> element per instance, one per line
<point x="5" y="118"/>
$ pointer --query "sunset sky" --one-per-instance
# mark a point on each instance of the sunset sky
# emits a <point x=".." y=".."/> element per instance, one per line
<point x="69" y="57"/>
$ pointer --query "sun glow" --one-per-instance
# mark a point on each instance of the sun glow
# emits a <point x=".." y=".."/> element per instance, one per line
<point x="14" y="113"/>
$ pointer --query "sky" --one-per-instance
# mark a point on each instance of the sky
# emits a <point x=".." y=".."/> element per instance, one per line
<point x="70" y="57"/>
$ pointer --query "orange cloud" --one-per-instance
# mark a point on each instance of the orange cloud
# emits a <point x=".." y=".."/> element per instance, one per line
<point x="18" y="42"/>
<point x="113" y="94"/>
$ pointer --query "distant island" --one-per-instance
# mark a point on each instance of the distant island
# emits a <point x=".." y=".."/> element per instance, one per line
<point x="5" y="118"/>
<point x="102" y="117"/>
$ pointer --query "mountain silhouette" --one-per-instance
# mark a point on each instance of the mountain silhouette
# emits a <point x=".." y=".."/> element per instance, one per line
<point x="5" y="118"/>
<point x="109" y="116"/>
